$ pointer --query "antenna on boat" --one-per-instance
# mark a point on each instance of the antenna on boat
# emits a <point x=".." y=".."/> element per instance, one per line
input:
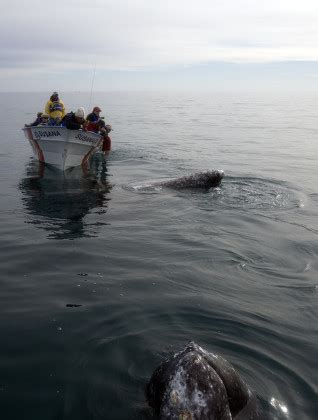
<point x="93" y="79"/>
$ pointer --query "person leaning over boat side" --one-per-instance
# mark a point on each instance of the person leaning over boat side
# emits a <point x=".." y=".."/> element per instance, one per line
<point x="55" y="109"/>
<point x="103" y="129"/>
<point x="75" y="120"/>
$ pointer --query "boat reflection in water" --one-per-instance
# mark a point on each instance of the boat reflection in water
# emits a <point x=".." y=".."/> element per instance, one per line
<point x="58" y="201"/>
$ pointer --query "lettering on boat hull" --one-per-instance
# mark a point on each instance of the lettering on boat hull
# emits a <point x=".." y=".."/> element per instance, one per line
<point x="52" y="133"/>
<point x="84" y="137"/>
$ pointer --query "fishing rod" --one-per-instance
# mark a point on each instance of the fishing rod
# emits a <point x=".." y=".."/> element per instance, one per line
<point x="92" y="85"/>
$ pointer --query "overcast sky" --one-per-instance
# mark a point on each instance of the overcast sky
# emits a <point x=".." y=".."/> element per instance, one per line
<point x="147" y="44"/>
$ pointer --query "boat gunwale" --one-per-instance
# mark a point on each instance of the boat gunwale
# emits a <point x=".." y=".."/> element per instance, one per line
<point x="97" y="135"/>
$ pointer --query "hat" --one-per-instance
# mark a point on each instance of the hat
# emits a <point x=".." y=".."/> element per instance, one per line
<point x="54" y="95"/>
<point x="97" y="109"/>
<point x="44" y="116"/>
<point x="39" y="114"/>
<point x="80" y="113"/>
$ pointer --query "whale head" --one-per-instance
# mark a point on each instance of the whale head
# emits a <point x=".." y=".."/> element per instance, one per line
<point x="211" y="179"/>
<point x="195" y="384"/>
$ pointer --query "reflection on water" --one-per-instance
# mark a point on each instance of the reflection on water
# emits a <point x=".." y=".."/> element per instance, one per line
<point x="59" y="201"/>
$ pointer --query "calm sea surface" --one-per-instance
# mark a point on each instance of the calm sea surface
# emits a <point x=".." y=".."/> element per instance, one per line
<point x="234" y="269"/>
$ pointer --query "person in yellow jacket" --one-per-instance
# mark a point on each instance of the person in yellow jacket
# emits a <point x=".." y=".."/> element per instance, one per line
<point x="55" y="109"/>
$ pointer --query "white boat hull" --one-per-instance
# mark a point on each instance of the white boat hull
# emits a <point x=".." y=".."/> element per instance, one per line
<point x="60" y="147"/>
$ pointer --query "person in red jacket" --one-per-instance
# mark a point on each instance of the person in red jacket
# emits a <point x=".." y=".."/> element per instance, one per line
<point x="105" y="130"/>
<point x="93" y="119"/>
<point x="97" y="125"/>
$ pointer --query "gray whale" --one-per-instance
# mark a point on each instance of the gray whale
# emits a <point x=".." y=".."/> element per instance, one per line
<point x="197" y="385"/>
<point x="206" y="179"/>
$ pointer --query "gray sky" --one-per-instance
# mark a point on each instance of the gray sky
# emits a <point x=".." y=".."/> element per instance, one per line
<point x="147" y="44"/>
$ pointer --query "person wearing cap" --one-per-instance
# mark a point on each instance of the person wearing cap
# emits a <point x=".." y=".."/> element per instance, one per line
<point x="97" y="125"/>
<point x="93" y="119"/>
<point x="44" y="119"/>
<point x="75" y="120"/>
<point x="41" y="119"/>
<point x="36" y="122"/>
<point x="55" y="109"/>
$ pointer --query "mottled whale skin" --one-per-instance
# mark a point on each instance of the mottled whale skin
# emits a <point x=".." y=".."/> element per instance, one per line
<point x="197" y="385"/>
<point x="206" y="179"/>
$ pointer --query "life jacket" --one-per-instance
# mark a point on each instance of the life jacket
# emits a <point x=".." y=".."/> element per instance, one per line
<point x="56" y="106"/>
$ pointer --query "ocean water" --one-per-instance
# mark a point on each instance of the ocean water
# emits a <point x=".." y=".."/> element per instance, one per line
<point x="148" y="269"/>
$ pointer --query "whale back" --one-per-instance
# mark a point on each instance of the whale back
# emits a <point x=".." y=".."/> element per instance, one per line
<point x="206" y="180"/>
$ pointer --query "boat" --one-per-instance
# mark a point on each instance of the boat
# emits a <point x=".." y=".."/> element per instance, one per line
<point x="61" y="147"/>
